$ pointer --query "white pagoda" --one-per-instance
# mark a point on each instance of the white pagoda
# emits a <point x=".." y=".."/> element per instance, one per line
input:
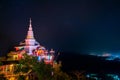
<point x="29" y="46"/>
<point x="32" y="47"/>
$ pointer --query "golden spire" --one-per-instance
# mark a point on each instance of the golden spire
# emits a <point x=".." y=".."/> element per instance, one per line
<point x="30" y="31"/>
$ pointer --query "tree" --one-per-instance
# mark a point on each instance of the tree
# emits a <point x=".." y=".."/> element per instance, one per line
<point x="21" y="77"/>
<point x="59" y="74"/>
<point x="41" y="70"/>
<point x="27" y="63"/>
<point x="79" y="75"/>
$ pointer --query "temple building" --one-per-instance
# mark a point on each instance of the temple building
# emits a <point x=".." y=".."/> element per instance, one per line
<point x="29" y="43"/>
<point x="32" y="47"/>
<point x="29" y="46"/>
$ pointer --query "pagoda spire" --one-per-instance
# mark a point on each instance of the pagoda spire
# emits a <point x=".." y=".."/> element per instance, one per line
<point x="30" y="25"/>
<point x="30" y="34"/>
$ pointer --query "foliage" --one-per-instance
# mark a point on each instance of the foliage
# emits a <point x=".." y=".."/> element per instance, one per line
<point x="41" y="70"/>
<point x="79" y="75"/>
<point x="28" y="63"/>
<point x="59" y="74"/>
<point x="21" y="77"/>
<point x="1" y="63"/>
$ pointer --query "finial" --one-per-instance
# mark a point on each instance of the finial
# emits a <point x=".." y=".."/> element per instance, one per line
<point x="30" y="20"/>
<point x="30" y="24"/>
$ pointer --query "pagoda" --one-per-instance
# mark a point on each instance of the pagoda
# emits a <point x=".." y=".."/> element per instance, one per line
<point x="29" y="43"/>
<point x="32" y="47"/>
<point x="29" y="46"/>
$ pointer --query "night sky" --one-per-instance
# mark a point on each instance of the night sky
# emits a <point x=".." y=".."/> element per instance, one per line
<point x="79" y="26"/>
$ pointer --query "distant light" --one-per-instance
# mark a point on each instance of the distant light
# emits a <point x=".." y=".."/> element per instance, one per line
<point x="106" y="55"/>
<point x="88" y="75"/>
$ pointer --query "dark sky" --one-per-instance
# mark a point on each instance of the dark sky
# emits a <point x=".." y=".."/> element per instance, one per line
<point x="80" y="26"/>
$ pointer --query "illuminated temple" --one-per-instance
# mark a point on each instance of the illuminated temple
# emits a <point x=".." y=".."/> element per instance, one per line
<point x="29" y="46"/>
<point x="32" y="47"/>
